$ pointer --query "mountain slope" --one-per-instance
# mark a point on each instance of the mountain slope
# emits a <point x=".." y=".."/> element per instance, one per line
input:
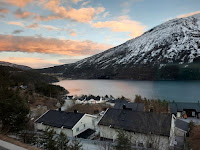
<point x="2" y="63"/>
<point x="174" y="42"/>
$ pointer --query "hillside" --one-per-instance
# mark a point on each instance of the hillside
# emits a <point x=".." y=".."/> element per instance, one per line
<point x="22" y="67"/>
<point x="170" y="51"/>
<point x="32" y="86"/>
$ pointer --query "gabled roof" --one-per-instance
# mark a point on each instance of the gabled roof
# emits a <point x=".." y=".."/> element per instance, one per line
<point x="180" y="106"/>
<point x="140" y="122"/>
<point x="60" y="119"/>
<point x="182" y="125"/>
<point x="132" y="106"/>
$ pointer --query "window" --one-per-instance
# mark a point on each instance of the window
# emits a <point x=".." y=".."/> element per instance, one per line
<point x="77" y="129"/>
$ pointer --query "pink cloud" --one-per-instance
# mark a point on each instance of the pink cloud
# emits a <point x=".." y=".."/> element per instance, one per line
<point x="73" y="33"/>
<point x="50" y="45"/>
<point x="16" y="23"/>
<point x="189" y="14"/>
<point x="3" y="10"/>
<point x="19" y="3"/>
<point x="76" y="1"/>
<point x="61" y="12"/>
<point x="33" y="26"/>
<point x="123" y="24"/>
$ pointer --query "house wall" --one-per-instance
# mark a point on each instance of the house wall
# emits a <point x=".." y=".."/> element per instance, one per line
<point x="172" y="131"/>
<point x="158" y="142"/>
<point x="40" y="126"/>
<point x="179" y="132"/>
<point x="86" y="122"/>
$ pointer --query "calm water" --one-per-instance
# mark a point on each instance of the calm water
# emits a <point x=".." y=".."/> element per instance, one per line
<point x="183" y="91"/>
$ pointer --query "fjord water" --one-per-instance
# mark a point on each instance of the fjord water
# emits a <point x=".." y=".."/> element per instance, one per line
<point x="180" y="91"/>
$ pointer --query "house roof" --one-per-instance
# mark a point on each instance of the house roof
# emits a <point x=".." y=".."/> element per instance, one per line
<point x="60" y="119"/>
<point x="115" y="101"/>
<point x="182" y="125"/>
<point x="180" y="106"/>
<point x="132" y="106"/>
<point x="134" y="121"/>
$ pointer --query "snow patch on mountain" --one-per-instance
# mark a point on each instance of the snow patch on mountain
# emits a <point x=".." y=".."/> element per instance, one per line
<point x="175" y="41"/>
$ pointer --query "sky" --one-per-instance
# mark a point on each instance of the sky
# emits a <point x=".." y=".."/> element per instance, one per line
<point x="45" y="33"/>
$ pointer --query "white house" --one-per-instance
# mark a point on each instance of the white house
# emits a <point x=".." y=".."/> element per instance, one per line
<point x="70" y="123"/>
<point x="146" y="129"/>
<point x="90" y="101"/>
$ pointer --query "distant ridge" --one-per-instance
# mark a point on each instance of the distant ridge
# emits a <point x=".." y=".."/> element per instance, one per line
<point x="22" y="67"/>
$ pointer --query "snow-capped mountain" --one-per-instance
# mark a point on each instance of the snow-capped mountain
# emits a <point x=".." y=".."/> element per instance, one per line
<point x="174" y="42"/>
<point x="2" y="63"/>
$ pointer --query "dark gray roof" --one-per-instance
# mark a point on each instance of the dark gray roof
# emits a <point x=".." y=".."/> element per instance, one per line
<point x="132" y="106"/>
<point x="60" y="119"/>
<point x="182" y="125"/>
<point x="180" y="106"/>
<point x="134" y="121"/>
<point x="117" y="101"/>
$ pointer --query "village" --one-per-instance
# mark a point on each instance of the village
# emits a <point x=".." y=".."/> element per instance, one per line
<point x="147" y="126"/>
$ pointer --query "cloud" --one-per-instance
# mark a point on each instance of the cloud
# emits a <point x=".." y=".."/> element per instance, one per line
<point x="122" y="24"/>
<point x="85" y="3"/>
<point x="34" y="26"/>
<point x="17" y="31"/>
<point x="49" y="27"/>
<point x="68" y="61"/>
<point x="23" y="14"/>
<point x="3" y="10"/>
<point x="76" y="1"/>
<point x="189" y="14"/>
<point x="46" y="18"/>
<point x="18" y="3"/>
<point x="31" y="62"/>
<point x="106" y="14"/>
<point x="16" y="23"/>
<point x="60" y="12"/>
<point x="50" y="45"/>
<point x="73" y="33"/>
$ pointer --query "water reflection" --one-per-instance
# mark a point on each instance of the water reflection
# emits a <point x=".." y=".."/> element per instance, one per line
<point x="169" y="90"/>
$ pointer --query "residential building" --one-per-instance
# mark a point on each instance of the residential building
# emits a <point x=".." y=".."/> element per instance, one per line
<point x="184" y="110"/>
<point x="130" y="106"/>
<point x="181" y="130"/>
<point x="70" y="123"/>
<point x="146" y="129"/>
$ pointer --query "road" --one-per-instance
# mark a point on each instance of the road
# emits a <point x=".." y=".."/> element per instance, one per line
<point x="9" y="146"/>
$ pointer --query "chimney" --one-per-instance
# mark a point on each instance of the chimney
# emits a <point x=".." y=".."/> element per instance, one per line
<point x="75" y="111"/>
<point x="124" y="106"/>
<point x="59" y="109"/>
